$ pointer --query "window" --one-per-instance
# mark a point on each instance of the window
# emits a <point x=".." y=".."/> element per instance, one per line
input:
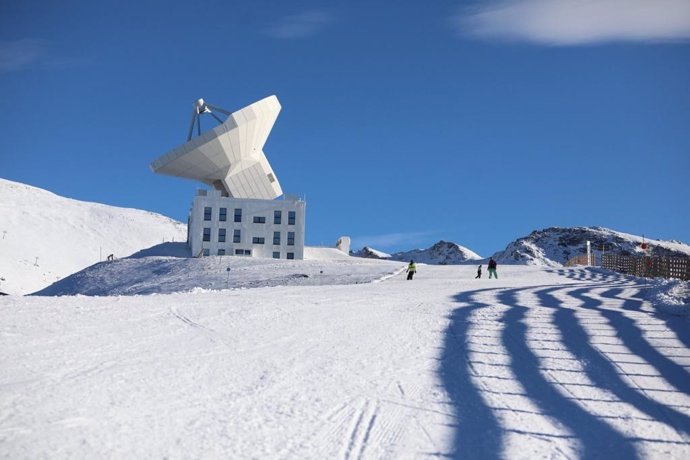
<point x="223" y="214"/>
<point x="259" y="220"/>
<point x="290" y="255"/>
<point x="207" y="213"/>
<point x="291" y="217"/>
<point x="258" y="240"/>
<point x="276" y="237"/>
<point x="237" y="236"/>
<point x="221" y="235"/>
<point x="243" y="252"/>
<point x="207" y="234"/>
<point x="291" y="238"/>
<point x="277" y="215"/>
<point x="207" y="252"/>
<point x="276" y="255"/>
<point x="221" y="252"/>
<point x="238" y="214"/>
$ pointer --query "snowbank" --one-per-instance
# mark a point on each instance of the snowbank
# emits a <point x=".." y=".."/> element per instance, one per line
<point x="671" y="296"/>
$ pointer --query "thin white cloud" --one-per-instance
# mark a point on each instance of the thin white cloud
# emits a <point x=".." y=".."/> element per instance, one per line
<point x="388" y="240"/>
<point x="575" y="22"/>
<point x="299" y="25"/>
<point x="20" y="54"/>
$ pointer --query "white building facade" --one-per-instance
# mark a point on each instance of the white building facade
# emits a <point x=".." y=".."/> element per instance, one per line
<point x="221" y="225"/>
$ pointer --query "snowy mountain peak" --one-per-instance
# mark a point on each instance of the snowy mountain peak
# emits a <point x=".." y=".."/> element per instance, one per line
<point x="554" y="246"/>
<point x="370" y="253"/>
<point x="441" y="253"/>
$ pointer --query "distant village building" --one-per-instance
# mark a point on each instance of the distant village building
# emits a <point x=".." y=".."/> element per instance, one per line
<point x="240" y="216"/>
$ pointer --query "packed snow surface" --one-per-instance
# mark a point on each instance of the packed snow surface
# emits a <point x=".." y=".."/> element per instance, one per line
<point x="541" y="363"/>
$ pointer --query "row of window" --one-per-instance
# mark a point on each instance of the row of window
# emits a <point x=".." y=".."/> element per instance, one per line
<point x="237" y="237"/>
<point x="223" y="216"/>
<point x="248" y="252"/>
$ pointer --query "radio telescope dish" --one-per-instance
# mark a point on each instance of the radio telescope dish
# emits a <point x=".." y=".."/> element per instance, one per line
<point x="230" y="156"/>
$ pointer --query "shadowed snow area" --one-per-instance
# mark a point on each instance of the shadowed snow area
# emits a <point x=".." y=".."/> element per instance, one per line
<point x="540" y="363"/>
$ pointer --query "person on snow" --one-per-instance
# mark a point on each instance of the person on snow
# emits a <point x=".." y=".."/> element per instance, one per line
<point x="492" y="268"/>
<point x="479" y="272"/>
<point x="411" y="270"/>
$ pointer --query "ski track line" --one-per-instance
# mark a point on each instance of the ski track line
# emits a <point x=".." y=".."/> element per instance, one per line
<point x="209" y="333"/>
<point x="85" y="372"/>
<point x="334" y="414"/>
<point x="368" y="430"/>
<point x="385" y="429"/>
<point x="364" y="419"/>
<point x="354" y="430"/>
<point x="421" y="427"/>
<point x="334" y="429"/>
<point x="400" y="388"/>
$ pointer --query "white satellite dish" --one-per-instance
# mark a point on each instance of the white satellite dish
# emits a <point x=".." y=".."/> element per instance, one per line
<point x="230" y="156"/>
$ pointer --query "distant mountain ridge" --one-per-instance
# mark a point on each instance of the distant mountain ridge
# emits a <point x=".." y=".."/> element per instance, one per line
<point x="370" y="253"/>
<point x="554" y="246"/>
<point x="551" y="247"/>
<point x="441" y="253"/>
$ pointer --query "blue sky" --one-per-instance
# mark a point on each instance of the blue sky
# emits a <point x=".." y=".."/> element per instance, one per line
<point x="403" y="122"/>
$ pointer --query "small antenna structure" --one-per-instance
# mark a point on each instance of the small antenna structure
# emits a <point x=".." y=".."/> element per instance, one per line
<point x="202" y="108"/>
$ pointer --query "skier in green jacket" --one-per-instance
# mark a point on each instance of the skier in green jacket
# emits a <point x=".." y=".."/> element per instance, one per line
<point x="411" y="270"/>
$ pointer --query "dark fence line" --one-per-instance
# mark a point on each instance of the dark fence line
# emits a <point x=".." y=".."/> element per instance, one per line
<point x="648" y="267"/>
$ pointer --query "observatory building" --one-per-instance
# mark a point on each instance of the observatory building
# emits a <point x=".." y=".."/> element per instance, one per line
<point x="240" y="215"/>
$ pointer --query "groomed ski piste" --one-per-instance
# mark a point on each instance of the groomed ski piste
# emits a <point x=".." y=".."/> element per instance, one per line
<point x="540" y="363"/>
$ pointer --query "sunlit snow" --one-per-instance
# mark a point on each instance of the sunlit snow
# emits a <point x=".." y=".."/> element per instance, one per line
<point x="541" y="363"/>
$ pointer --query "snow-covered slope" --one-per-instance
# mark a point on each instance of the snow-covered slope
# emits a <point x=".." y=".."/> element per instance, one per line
<point x="554" y="246"/>
<point x="166" y="269"/>
<point x="45" y="237"/>
<point x="539" y="364"/>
